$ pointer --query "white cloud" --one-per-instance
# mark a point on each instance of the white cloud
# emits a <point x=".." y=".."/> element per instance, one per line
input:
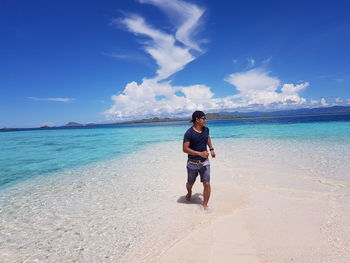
<point x="255" y="88"/>
<point x="197" y="92"/>
<point x="169" y="57"/>
<point x="51" y="99"/>
<point x="185" y="17"/>
<point x="291" y="89"/>
<point x="314" y="102"/>
<point x="323" y="102"/>
<point x="338" y="100"/>
<point x="152" y="98"/>
<point x="252" y="81"/>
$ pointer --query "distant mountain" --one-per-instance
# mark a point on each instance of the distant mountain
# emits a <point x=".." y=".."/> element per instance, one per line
<point x="155" y="119"/>
<point x="305" y="111"/>
<point x="327" y="110"/>
<point x="233" y="115"/>
<point x="214" y="116"/>
<point x="220" y="115"/>
<point x="210" y="116"/>
<point x="8" y="129"/>
<point x="73" y="124"/>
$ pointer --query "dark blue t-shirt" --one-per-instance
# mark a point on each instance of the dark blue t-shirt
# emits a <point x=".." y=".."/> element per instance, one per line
<point x="198" y="141"/>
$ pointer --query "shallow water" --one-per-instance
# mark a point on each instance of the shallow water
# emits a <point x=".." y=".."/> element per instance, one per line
<point x="32" y="153"/>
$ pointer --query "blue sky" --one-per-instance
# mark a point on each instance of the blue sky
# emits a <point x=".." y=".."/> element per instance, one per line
<point x="103" y="61"/>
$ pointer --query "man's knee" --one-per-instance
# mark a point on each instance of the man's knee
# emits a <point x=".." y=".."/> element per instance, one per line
<point x="206" y="184"/>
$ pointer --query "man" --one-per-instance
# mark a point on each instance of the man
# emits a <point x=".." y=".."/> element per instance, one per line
<point x="195" y="144"/>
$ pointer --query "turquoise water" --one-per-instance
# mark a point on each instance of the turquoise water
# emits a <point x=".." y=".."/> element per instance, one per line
<point x="32" y="153"/>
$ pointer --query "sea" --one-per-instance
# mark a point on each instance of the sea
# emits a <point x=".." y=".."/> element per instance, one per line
<point x="98" y="193"/>
<point x="36" y="153"/>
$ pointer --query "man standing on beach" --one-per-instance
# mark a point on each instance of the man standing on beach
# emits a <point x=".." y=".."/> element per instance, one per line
<point x="195" y="144"/>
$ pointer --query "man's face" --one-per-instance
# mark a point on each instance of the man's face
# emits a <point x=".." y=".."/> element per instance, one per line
<point x="201" y="121"/>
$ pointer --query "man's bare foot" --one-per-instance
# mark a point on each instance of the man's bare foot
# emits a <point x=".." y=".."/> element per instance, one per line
<point x="207" y="209"/>
<point x="188" y="196"/>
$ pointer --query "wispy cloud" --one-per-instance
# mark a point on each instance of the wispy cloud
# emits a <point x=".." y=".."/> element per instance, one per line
<point x="52" y="99"/>
<point x="266" y="61"/>
<point x="185" y="17"/>
<point x="117" y="56"/>
<point x="255" y="88"/>
<point x="171" y="52"/>
<point x="251" y="62"/>
<point x="169" y="57"/>
<point x="128" y="56"/>
<point x="324" y="77"/>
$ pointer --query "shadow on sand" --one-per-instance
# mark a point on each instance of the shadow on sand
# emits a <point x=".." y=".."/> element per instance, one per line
<point x="195" y="199"/>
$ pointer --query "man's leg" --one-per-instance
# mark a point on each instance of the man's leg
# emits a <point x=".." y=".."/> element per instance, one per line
<point x="192" y="173"/>
<point x="205" y="179"/>
<point x="206" y="194"/>
<point x="189" y="191"/>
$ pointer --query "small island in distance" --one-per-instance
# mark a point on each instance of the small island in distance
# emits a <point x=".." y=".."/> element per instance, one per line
<point x="212" y="116"/>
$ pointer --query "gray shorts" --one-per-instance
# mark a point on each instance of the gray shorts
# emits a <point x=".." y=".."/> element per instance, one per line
<point x="193" y="170"/>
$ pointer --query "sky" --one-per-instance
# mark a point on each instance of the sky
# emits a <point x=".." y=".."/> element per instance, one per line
<point x="106" y="61"/>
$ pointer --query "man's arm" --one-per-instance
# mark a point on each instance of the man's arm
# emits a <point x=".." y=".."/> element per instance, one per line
<point x="212" y="152"/>
<point x="186" y="149"/>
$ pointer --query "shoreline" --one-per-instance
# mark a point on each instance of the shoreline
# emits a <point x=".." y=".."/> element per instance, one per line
<point x="270" y="203"/>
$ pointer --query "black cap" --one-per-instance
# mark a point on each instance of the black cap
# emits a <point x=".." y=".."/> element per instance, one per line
<point x="197" y="114"/>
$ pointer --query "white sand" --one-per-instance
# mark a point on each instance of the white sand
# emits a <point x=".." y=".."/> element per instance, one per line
<point x="272" y="201"/>
<point x="269" y="204"/>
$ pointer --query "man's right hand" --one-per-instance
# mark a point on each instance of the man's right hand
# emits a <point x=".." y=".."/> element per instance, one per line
<point x="204" y="154"/>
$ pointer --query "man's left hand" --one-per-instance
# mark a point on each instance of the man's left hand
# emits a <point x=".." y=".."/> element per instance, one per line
<point x="213" y="154"/>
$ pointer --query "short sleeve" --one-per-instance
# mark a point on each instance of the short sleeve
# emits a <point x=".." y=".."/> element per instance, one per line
<point x="187" y="136"/>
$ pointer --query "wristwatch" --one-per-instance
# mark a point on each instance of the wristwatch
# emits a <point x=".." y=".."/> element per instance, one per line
<point x="211" y="149"/>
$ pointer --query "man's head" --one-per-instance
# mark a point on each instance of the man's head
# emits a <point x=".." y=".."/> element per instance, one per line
<point x="198" y="117"/>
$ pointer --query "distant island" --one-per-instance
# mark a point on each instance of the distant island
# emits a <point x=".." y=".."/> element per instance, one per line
<point x="74" y="124"/>
<point x="210" y="116"/>
<point x="7" y="129"/>
<point x="213" y="116"/>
